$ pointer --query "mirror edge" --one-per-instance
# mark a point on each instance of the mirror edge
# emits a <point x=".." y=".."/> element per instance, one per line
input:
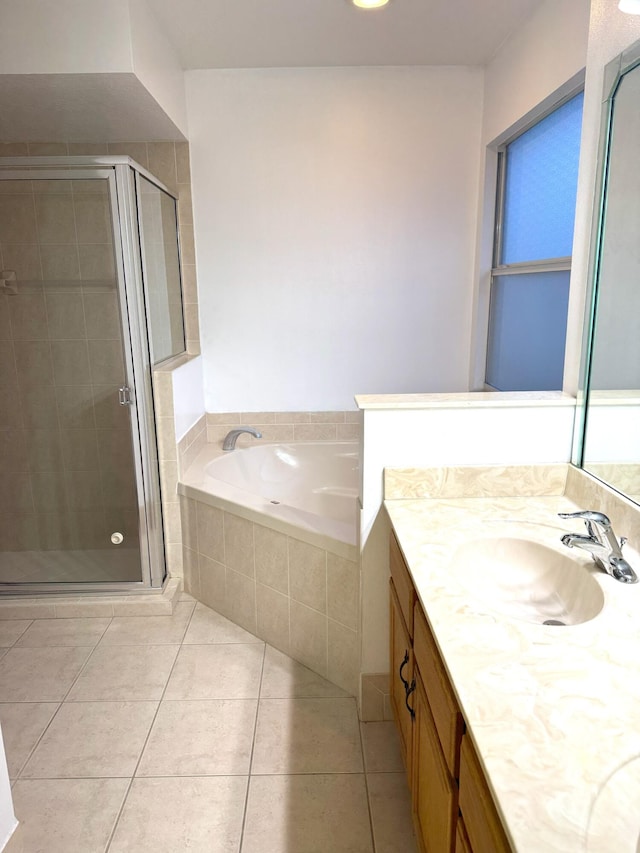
<point x="613" y="73"/>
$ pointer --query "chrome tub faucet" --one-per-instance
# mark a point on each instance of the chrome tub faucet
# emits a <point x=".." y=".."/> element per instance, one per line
<point x="231" y="437"/>
<point x="601" y="542"/>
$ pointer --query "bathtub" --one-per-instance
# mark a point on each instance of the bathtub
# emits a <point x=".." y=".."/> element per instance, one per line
<point x="270" y="538"/>
<point x="309" y="486"/>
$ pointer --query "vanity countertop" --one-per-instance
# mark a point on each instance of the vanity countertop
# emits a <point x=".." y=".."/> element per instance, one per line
<point x="554" y="712"/>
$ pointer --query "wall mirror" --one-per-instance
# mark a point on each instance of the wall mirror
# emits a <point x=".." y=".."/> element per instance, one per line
<point x="610" y="448"/>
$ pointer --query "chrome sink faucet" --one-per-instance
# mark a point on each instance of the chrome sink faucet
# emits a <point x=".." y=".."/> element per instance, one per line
<point x="231" y="437"/>
<point x="601" y="542"/>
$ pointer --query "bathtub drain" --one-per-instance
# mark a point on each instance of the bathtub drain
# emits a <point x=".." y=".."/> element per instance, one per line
<point x="554" y="622"/>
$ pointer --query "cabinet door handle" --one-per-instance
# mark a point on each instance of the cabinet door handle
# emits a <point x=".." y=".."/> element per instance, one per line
<point x="405" y="661"/>
<point x="409" y="691"/>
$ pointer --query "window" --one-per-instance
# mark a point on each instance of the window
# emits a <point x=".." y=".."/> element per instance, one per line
<point x="537" y="182"/>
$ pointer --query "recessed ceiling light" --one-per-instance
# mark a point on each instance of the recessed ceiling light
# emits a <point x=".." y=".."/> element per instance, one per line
<point x="631" y="7"/>
<point x="369" y="4"/>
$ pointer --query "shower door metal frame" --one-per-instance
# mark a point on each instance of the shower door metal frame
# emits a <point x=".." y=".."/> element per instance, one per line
<point x="120" y="173"/>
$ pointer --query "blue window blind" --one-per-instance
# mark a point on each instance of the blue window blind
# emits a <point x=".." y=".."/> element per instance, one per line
<point x="540" y="187"/>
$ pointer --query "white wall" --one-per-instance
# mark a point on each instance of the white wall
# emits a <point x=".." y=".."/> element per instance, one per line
<point x="549" y="49"/>
<point x="93" y="37"/>
<point x="64" y="37"/>
<point x="610" y="32"/>
<point x="188" y="397"/>
<point x="156" y="64"/>
<point x="546" y="54"/>
<point x="335" y="215"/>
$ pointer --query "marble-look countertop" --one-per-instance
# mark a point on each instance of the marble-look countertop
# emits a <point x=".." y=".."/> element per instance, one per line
<point x="554" y="712"/>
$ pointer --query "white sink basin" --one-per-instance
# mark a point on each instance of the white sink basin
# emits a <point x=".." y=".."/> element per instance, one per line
<point x="527" y="580"/>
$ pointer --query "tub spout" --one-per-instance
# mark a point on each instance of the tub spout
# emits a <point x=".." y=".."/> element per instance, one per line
<point x="230" y="439"/>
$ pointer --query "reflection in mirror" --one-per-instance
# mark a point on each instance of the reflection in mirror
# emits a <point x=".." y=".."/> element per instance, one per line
<point x="611" y="448"/>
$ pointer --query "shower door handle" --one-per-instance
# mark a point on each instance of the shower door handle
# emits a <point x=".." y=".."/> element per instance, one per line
<point x="124" y="395"/>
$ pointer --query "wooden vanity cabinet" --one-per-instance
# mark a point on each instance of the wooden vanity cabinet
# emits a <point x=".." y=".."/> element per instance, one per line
<point x="463" y="845"/>
<point x="482" y="824"/>
<point x="453" y="809"/>
<point x="401" y="655"/>
<point x="434" y="790"/>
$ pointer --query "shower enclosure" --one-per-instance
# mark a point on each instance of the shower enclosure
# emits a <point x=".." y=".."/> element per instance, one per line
<point x="90" y="299"/>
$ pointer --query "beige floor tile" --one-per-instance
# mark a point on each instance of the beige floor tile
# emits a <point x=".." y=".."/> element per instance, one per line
<point x="201" y="815"/>
<point x="307" y="736"/>
<point x="390" y="804"/>
<point x="285" y="678"/>
<point x="63" y="815"/>
<point x="307" y="814"/>
<point x="207" y="626"/>
<point x="127" y="673"/>
<point x="22" y="726"/>
<point x="209" y="737"/>
<point x="149" y="630"/>
<point x="216" y="672"/>
<point x="92" y="739"/>
<point x="64" y="632"/>
<point x="40" y="675"/>
<point x="381" y="747"/>
<point x="11" y="629"/>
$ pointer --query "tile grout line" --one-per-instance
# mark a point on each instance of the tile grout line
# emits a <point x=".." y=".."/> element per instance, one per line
<point x="62" y="701"/>
<point x="146" y="740"/>
<point x="366" y="786"/>
<point x="253" y="746"/>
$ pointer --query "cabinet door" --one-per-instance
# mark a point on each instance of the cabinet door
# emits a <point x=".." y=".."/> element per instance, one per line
<point x="401" y="675"/>
<point x="463" y="845"/>
<point x="435" y="801"/>
<point x="442" y="700"/>
<point x="402" y="583"/>
<point x="476" y="804"/>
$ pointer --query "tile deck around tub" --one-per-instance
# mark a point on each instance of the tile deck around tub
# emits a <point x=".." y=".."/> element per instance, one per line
<point x="167" y="733"/>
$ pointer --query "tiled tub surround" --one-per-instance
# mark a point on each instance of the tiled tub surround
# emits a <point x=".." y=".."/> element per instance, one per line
<point x="287" y="426"/>
<point x="177" y="455"/>
<point x="299" y="592"/>
<point x="551" y="710"/>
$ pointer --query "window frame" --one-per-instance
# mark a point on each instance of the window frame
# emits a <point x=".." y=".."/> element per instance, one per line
<point x="559" y="264"/>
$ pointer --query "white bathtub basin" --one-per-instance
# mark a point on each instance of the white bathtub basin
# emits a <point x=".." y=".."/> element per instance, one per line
<point x="525" y="579"/>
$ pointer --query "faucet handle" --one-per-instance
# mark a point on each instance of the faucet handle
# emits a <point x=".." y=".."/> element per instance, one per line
<point x="588" y="515"/>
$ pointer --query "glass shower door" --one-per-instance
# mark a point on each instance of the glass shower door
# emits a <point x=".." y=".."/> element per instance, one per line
<point x="69" y="455"/>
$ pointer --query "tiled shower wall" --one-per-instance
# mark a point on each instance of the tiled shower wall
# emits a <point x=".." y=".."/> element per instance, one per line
<point x="64" y="441"/>
<point x="168" y="161"/>
<point x="38" y="446"/>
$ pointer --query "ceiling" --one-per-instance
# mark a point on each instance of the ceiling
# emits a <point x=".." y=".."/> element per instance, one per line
<point x="299" y="33"/>
<point x="255" y="34"/>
